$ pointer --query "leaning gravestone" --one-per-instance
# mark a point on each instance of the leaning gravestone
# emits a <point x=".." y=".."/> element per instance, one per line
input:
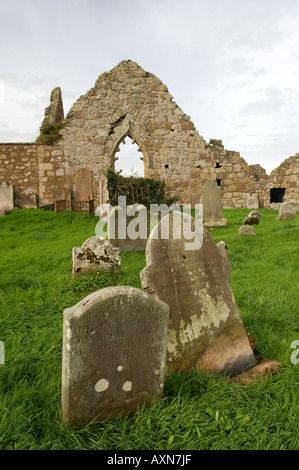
<point x="114" y="354"/>
<point x="211" y="195"/>
<point x="287" y="211"/>
<point x="6" y="197"/>
<point x="205" y="327"/>
<point x="96" y="254"/>
<point x="128" y="227"/>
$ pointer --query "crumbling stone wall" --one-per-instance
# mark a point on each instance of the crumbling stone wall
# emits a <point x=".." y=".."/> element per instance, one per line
<point x="285" y="176"/>
<point x="128" y="101"/>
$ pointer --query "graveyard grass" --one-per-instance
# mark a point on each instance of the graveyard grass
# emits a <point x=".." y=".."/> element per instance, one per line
<point x="198" y="411"/>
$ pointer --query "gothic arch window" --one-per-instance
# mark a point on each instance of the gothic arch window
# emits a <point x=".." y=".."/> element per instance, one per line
<point x="129" y="159"/>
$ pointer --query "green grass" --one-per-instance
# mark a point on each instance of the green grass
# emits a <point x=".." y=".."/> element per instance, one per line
<point x="198" y="411"/>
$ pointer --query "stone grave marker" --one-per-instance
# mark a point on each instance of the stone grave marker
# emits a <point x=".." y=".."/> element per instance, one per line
<point x="128" y="227"/>
<point x="6" y="197"/>
<point x="205" y="326"/>
<point x="211" y="195"/>
<point x="114" y="354"/>
<point x="83" y="185"/>
<point x="253" y="218"/>
<point x="247" y="230"/>
<point x="253" y="202"/>
<point x="96" y="254"/>
<point x="287" y="211"/>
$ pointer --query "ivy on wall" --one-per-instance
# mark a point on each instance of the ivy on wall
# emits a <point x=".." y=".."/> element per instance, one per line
<point x="144" y="191"/>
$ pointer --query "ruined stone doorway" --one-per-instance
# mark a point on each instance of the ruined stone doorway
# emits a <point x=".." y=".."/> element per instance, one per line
<point x="129" y="159"/>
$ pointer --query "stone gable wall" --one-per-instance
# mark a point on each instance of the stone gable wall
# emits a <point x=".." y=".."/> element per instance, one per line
<point x="128" y="101"/>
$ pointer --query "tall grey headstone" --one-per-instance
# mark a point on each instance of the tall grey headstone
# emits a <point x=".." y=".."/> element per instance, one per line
<point x="205" y="326"/>
<point x="211" y="195"/>
<point x="128" y="227"/>
<point x="6" y="197"/>
<point x="114" y="354"/>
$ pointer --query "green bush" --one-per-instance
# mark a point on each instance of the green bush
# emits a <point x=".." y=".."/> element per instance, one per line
<point x="144" y="191"/>
<point x="49" y="133"/>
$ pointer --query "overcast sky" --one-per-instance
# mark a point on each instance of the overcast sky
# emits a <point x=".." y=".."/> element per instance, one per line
<point x="231" y="65"/>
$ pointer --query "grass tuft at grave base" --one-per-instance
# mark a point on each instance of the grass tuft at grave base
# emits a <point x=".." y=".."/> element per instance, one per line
<point x="198" y="411"/>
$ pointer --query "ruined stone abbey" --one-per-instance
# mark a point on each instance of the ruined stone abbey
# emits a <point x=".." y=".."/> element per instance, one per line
<point x="128" y="101"/>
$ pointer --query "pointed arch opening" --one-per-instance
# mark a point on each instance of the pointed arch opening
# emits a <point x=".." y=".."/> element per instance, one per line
<point x="129" y="158"/>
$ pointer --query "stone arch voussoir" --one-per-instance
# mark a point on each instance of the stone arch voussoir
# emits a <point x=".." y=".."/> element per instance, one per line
<point x="138" y="134"/>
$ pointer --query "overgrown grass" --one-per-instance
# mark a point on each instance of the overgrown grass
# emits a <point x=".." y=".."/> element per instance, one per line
<point x="198" y="411"/>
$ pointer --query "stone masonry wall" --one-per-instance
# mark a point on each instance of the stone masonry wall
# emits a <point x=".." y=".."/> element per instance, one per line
<point x="285" y="176"/>
<point x="128" y="101"/>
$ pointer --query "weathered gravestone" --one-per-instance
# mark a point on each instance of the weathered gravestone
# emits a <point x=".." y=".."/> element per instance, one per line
<point x="114" y="354"/>
<point x="128" y="227"/>
<point x="96" y="254"/>
<point x="247" y="230"/>
<point x="287" y="211"/>
<point x="63" y="199"/>
<point x="83" y="185"/>
<point x="211" y="195"/>
<point x="6" y="197"/>
<point x="253" y="202"/>
<point x="253" y="218"/>
<point x="205" y="327"/>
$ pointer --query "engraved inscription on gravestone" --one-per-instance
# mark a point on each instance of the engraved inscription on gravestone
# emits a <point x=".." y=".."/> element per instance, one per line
<point x="114" y="354"/>
<point x="205" y="327"/>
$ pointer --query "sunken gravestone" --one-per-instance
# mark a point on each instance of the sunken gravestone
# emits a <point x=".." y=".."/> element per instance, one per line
<point x="114" y="354"/>
<point x="205" y="327"/>
<point x="287" y="211"/>
<point x="96" y="254"/>
<point x="128" y="227"/>
<point x="211" y="195"/>
<point x="247" y="230"/>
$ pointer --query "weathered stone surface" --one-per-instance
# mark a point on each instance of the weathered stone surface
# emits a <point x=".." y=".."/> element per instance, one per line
<point x="211" y="200"/>
<point x="287" y="211"/>
<point x="2" y="212"/>
<point x="83" y="184"/>
<point x="205" y="327"/>
<point x="6" y="196"/>
<point x="247" y="230"/>
<point x="128" y="228"/>
<point x="96" y="254"/>
<point x="253" y="218"/>
<point x="253" y="202"/>
<point x="114" y="354"/>
<point x="223" y="248"/>
<point x="54" y="114"/>
<point x="266" y="366"/>
<point x="129" y="101"/>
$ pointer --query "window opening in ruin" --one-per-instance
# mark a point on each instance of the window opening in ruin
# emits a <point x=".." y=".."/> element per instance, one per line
<point x="277" y="194"/>
<point x="218" y="165"/>
<point x="218" y="182"/>
<point x="166" y="166"/>
<point x="129" y="159"/>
